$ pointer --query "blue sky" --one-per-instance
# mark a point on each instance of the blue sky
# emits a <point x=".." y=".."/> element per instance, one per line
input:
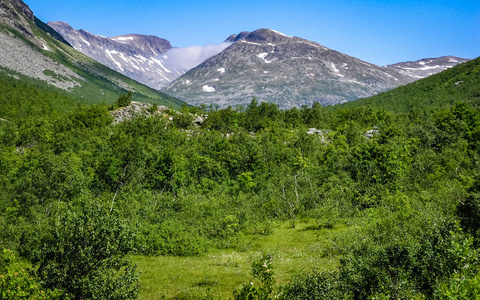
<point x="378" y="31"/>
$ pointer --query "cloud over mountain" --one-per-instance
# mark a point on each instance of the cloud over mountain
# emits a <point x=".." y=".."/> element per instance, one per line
<point x="190" y="57"/>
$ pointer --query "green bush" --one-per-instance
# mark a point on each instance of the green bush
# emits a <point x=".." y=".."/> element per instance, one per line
<point x="172" y="237"/>
<point x="124" y="99"/>
<point x="17" y="283"/>
<point x="87" y="256"/>
<point x="402" y="269"/>
<point x="262" y="271"/>
<point x="314" y="285"/>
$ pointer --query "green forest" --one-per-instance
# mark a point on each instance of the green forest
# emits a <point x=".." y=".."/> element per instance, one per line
<point x="385" y="189"/>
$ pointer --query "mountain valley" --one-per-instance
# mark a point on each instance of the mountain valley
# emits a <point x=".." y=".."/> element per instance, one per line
<point x="266" y="64"/>
<point x="112" y="190"/>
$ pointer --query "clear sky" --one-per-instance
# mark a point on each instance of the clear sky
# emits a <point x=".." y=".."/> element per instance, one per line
<point x="377" y="31"/>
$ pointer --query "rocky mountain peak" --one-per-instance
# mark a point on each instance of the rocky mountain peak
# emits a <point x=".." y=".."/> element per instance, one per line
<point x="260" y="36"/>
<point x="20" y="6"/>
<point x="15" y="13"/>
<point x="266" y="35"/>
<point x="288" y="71"/>
<point x="236" y="37"/>
<point x="140" y="57"/>
<point x="145" y="43"/>
<point x="60" y="25"/>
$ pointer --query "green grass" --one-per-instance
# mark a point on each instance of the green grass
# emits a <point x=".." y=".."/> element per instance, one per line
<point x="219" y="272"/>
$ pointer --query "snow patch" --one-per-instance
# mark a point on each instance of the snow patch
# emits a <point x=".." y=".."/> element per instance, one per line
<point x="161" y="65"/>
<point x="123" y="38"/>
<point x="122" y="56"/>
<point x="425" y="68"/>
<point x="246" y="42"/>
<point x="221" y="70"/>
<point x="85" y="41"/>
<point x="154" y="52"/>
<point x="109" y="53"/>
<point x="312" y="44"/>
<point x="390" y="76"/>
<point x="336" y="71"/>
<point x="263" y="56"/>
<point x="208" y="89"/>
<point x="278" y="32"/>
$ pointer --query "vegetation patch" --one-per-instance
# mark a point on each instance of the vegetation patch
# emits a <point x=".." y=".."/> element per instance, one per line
<point x="247" y="204"/>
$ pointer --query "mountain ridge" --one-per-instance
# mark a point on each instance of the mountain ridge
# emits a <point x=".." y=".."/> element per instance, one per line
<point x="30" y="53"/>
<point x="427" y="66"/>
<point x="288" y="71"/>
<point x="144" y="58"/>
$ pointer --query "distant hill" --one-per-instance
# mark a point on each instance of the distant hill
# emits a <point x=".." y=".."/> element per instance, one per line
<point x="32" y="52"/>
<point x="460" y="83"/>
<point x="426" y="67"/>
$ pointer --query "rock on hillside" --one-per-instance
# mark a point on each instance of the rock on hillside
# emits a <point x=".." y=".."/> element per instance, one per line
<point x="134" y="110"/>
<point x="15" y="14"/>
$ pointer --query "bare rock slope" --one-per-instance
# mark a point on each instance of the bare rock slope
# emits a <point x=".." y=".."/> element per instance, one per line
<point x="288" y="71"/>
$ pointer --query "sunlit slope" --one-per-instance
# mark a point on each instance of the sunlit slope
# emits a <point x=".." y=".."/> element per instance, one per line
<point x="460" y="83"/>
<point x="32" y="55"/>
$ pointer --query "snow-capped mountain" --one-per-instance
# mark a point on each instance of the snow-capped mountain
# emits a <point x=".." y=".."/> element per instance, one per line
<point x="136" y="56"/>
<point x="148" y="59"/>
<point x="286" y="70"/>
<point x="425" y="67"/>
<point x="274" y="67"/>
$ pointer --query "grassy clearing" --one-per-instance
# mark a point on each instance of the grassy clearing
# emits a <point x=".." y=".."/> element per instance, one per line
<point x="219" y="272"/>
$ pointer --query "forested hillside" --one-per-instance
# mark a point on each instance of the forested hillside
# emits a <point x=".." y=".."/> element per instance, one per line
<point x="446" y="88"/>
<point x="79" y="194"/>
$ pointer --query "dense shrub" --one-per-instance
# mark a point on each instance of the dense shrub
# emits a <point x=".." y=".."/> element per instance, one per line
<point x="86" y="256"/>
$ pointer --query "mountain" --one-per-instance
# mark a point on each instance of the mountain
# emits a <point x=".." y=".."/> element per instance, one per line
<point x="459" y="83"/>
<point x="148" y="59"/>
<point x="133" y="55"/>
<point x="31" y="52"/>
<point x="288" y="71"/>
<point x="426" y="67"/>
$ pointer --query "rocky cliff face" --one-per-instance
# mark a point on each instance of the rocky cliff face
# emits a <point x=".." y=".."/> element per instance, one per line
<point x="288" y="71"/>
<point x="425" y="67"/>
<point x="15" y="14"/>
